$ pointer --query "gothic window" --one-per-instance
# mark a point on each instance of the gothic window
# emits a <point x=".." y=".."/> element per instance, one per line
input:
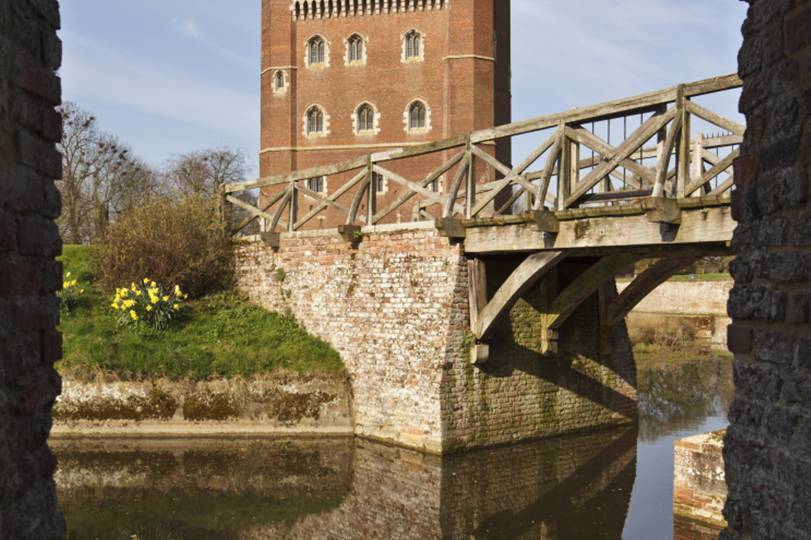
<point x="317" y="184"/>
<point x="278" y="80"/>
<point x="417" y="116"/>
<point x="355" y="53"/>
<point x="316" y="50"/>
<point x="413" y="45"/>
<point x="315" y="120"/>
<point x="380" y="182"/>
<point x="365" y="120"/>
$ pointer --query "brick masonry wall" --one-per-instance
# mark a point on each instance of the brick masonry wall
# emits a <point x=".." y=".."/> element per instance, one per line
<point x="30" y="53"/>
<point x="699" y="489"/>
<point x="396" y="309"/>
<point x="768" y="446"/>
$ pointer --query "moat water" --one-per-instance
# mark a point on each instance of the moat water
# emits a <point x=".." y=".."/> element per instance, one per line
<point x="606" y="485"/>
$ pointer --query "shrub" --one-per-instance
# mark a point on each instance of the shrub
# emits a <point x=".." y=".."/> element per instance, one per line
<point x="173" y="242"/>
<point x="71" y="294"/>
<point x="147" y="305"/>
<point x="667" y="332"/>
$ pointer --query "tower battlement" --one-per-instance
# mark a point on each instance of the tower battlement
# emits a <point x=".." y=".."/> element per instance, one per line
<point x="303" y="10"/>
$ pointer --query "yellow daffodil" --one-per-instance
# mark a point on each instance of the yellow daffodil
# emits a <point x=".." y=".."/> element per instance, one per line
<point x="176" y="307"/>
<point x="149" y="308"/>
<point x="146" y="280"/>
<point x="165" y="298"/>
<point x="133" y="315"/>
<point x="67" y="274"/>
<point x="114" y="306"/>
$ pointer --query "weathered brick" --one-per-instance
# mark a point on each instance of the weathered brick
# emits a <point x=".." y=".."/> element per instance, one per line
<point x="739" y="339"/>
<point x="797" y="310"/>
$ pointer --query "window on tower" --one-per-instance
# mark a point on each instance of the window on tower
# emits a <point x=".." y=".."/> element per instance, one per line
<point x="317" y="184"/>
<point x="315" y="120"/>
<point x="355" y="46"/>
<point x="417" y="116"/>
<point x="365" y="118"/>
<point x="316" y="50"/>
<point x="278" y="81"/>
<point x="413" y="45"/>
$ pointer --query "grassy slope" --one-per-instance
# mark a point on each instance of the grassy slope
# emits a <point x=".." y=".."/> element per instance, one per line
<point x="219" y="335"/>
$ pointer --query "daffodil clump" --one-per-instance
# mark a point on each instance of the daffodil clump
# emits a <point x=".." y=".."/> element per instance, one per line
<point x="147" y="304"/>
<point x="71" y="293"/>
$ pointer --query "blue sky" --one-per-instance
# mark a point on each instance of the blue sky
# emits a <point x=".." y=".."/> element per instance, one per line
<point x="176" y="75"/>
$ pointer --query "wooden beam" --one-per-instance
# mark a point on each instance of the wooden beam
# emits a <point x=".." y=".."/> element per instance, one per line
<point x="637" y="139"/>
<point x="639" y="288"/>
<point x="722" y="165"/>
<point x="334" y="197"/>
<point x="611" y="109"/>
<point x="716" y="119"/>
<point x="477" y="289"/>
<point x="620" y="228"/>
<point x="402" y="199"/>
<point x="602" y="147"/>
<point x="585" y="285"/>
<point x="663" y="161"/>
<point x="277" y="216"/>
<point x="525" y="276"/>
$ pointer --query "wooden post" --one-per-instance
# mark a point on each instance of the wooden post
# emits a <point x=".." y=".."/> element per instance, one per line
<point x="569" y="170"/>
<point x="293" y="212"/>
<point x="661" y="140"/>
<point x="683" y="156"/>
<point x="470" y="184"/>
<point x="371" y="205"/>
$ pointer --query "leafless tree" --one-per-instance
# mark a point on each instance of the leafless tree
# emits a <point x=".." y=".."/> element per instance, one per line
<point x="100" y="177"/>
<point x="202" y="172"/>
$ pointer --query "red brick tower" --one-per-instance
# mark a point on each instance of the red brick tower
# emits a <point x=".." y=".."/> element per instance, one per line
<point x="343" y="78"/>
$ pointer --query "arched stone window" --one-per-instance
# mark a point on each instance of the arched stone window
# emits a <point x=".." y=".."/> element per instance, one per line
<point x="365" y="118"/>
<point x="314" y="121"/>
<point x="417" y="116"/>
<point x="316" y="51"/>
<point x="278" y="81"/>
<point x="412" y="46"/>
<point x="355" y="49"/>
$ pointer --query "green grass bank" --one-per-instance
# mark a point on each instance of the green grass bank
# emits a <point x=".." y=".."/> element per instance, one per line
<point x="217" y="336"/>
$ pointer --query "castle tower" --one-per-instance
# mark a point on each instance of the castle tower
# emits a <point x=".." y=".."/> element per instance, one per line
<point x="344" y="78"/>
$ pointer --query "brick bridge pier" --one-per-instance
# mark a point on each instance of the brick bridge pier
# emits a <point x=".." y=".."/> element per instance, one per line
<point x="483" y="322"/>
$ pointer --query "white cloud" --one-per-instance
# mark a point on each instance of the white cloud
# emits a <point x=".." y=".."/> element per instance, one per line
<point x="193" y="30"/>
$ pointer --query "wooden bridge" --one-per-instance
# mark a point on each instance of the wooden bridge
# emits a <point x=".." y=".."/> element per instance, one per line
<point x="661" y="192"/>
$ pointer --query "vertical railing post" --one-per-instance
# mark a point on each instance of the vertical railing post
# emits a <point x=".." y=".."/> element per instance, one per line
<point x="371" y="205"/>
<point x="470" y="181"/>
<point x="569" y="170"/>
<point x="293" y="212"/>
<point x="683" y="155"/>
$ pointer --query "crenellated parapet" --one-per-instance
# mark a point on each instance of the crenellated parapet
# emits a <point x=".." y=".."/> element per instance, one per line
<point x="304" y="10"/>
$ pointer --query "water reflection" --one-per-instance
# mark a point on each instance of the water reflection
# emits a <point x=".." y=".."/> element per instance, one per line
<point x="603" y="485"/>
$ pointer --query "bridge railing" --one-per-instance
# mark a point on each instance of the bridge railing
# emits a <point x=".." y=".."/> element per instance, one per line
<point x="659" y="154"/>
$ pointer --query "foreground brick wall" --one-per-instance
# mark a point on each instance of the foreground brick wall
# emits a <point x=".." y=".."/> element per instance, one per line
<point x="768" y="446"/>
<point x="396" y="309"/>
<point x="30" y="52"/>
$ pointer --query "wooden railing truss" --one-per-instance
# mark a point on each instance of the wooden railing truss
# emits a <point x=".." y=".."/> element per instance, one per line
<point x="660" y="158"/>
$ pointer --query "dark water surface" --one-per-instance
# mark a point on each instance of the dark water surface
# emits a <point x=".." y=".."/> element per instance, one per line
<point x="607" y="485"/>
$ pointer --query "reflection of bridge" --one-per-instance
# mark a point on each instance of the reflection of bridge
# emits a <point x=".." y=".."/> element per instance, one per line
<point x="553" y="235"/>
<point x="569" y="487"/>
